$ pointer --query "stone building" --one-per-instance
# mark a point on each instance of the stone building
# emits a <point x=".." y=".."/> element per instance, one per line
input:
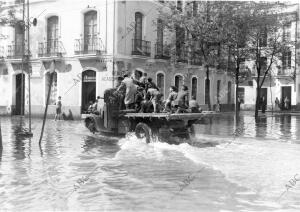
<point x="88" y="43"/>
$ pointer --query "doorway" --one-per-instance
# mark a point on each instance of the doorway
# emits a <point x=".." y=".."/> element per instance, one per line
<point x="286" y="92"/>
<point x="20" y="94"/>
<point x="263" y="92"/>
<point x="88" y="91"/>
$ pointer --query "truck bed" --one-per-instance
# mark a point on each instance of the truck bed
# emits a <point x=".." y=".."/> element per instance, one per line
<point x="169" y="116"/>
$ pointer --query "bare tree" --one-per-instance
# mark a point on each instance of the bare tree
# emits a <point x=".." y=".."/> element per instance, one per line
<point x="266" y="43"/>
<point x="197" y="29"/>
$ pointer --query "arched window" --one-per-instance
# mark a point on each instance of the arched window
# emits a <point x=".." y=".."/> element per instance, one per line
<point x="194" y="87"/>
<point x="229" y="92"/>
<point x="90" y="30"/>
<point x="160" y="81"/>
<point x="178" y="81"/>
<point x="207" y="90"/>
<point x="53" y="94"/>
<point x="52" y="34"/>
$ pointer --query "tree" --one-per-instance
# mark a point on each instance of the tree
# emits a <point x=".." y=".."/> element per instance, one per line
<point x="7" y="15"/>
<point x="197" y="30"/>
<point x="235" y="16"/>
<point x="266" y="44"/>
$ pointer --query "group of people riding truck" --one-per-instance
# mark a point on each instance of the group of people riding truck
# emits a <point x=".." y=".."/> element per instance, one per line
<point x="140" y="93"/>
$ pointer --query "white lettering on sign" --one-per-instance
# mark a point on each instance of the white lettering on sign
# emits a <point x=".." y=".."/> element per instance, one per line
<point x="89" y="79"/>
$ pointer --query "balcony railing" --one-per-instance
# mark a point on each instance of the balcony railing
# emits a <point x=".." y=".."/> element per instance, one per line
<point x="51" y="48"/>
<point x="162" y="51"/>
<point x="15" y="51"/>
<point x="92" y="45"/>
<point x="141" y="47"/>
<point x="182" y="55"/>
<point x="196" y="58"/>
<point x="286" y="72"/>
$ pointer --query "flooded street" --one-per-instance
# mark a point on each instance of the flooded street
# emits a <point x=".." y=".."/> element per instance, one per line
<point x="74" y="170"/>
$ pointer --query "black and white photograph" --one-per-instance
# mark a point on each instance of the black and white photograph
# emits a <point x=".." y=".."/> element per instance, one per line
<point x="147" y="105"/>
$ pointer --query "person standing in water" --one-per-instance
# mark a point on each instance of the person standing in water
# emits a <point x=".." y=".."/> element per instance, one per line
<point x="58" y="109"/>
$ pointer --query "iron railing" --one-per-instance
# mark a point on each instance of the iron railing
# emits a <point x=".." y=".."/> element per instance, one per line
<point x="15" y="51"/>
<point x="196" y="58"/>
<point x="182" y="54"/>
<point x="286" y="71"/>
<point x="162" y="51"/>
<point x="141" y="47"/>
<point x="51" y="48"/>
<point x="93" y="45"/>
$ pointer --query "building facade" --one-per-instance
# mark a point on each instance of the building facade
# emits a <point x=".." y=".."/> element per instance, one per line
<point x="88" y="44"/>
<point x="283" y="80"/>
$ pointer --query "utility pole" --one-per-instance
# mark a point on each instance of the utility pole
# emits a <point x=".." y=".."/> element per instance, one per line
<point x="28" y="68"/>
<point x="25" y="65"/>
<point x="23" y="57"/>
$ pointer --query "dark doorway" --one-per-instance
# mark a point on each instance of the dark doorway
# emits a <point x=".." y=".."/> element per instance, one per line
<point x="286" y="92"/>
<point x="207" y="91"/>
<point x="88" y="92"/>
<point x="241" y="94"/>
<point x="229" y="92"/>
<point x="263" y="92"/>
<point x="20" y="93"/>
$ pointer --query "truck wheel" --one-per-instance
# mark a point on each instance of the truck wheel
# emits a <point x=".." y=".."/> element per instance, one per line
<point x="142" y="130"/>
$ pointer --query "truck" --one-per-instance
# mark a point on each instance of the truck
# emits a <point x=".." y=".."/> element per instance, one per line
<point x="164" y="126"/>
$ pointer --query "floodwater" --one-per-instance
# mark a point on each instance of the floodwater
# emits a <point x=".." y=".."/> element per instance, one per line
<point x="74" y="170"/>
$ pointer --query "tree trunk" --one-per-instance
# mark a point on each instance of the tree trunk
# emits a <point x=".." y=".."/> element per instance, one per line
<point x="237" y="73"/>
<point x="1" y="146"/>
<point x="257" y="102"/>
<point x="207" y="77"/>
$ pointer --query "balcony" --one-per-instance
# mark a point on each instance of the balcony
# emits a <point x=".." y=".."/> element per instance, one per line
<point x="162" y="51"/>
<point x="141" y="47"/>
<point x="182" y="55"/>
<point x="51" y="48"/>
<point x="286" y="72"/>
<point x="196" y="58"/>
<point x="15" y="51"/>
<point x="92" y="45"/>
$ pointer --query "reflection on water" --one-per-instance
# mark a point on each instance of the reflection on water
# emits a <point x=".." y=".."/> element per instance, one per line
<point x="223" y="170"/>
